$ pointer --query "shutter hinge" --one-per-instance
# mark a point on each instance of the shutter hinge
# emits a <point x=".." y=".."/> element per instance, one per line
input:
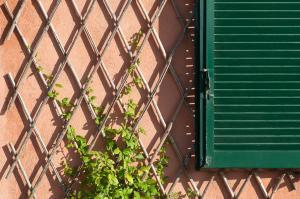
<point x="205" y="84"/>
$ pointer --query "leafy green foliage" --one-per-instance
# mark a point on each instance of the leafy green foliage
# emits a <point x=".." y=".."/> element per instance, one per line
<point x="130" y="112"/>
<point x="116" y="172"/>
<point x="48" y="78"/>
<point x="136" y="80"/>
<point x="53" y="94"/>
<point x="191" y="193"/>
<point x="127" y="90"/>
<point x="99" y="111"/>
<point x="135" y="40"/>
<point x="119" y="170"/>
<point x="175" y="195"/>
<point x="66" y="107"/>
<point x="161" y="163"/>
<point x="65" y="103"/>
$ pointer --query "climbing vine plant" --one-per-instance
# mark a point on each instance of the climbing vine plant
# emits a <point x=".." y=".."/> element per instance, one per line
<point x="118" y="171"/>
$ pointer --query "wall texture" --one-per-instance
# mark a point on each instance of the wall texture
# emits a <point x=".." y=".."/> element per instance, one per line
<point x="166" y="67"/>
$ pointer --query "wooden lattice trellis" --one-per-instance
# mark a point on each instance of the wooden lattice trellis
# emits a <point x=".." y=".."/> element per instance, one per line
<point x="116" y="31"/>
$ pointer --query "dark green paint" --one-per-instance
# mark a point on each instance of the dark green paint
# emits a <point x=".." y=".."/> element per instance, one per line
<point x="251" y="117"/>
<point x="199" y="82"/>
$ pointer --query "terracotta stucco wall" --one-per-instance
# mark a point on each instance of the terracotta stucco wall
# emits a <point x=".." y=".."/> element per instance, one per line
<point x="177" y="81"/>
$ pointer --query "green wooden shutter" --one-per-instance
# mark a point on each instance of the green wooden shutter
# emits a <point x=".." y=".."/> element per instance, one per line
<point x="253" y="61"/>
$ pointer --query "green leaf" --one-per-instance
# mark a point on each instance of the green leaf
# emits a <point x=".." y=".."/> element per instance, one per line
<point x="141" y="130"/>
<point x="191" y="193"/>
<point x="113" y="179"/>
<point x="132" y="68"/>
<point x="89" y="91"/>
<point x="129" y="178"/>
<point x="53" y="94"/>
<point x="130" y="111"/>
<point x="58" y="85"/>
<point x="40" y="68"/>
<point x="92" y="98"/>
<point x="99" y="110"/>
<point x="138" y="82"/>
<point x="136" y="195"/>
<point x="127" y="90"/>
<point x="140" y="157"/>
<point x="69" y="171"/>
<point x="138" y="61"/>
<point x="98" y="120"/>
<point x="110" y="145"/>
<point x="67" y="115"/>
<point x="66" y="103"/>
<point x="117" y="151"/>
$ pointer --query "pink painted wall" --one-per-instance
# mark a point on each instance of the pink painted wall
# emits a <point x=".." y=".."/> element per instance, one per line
<point x="13" y="123"/>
